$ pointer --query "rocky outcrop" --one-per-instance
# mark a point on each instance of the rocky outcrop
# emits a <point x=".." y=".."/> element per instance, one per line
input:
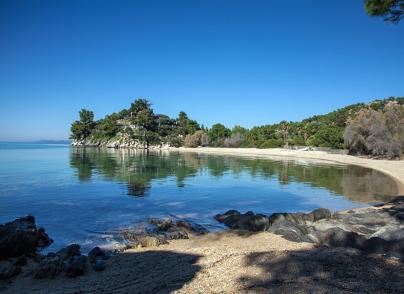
<point x="159" y="231"/>
<point x="377" y="229"/>
<point x="292" y="226"/>
<point x="116" y="142"/>
<point x="247" y="221"/>
<point x="20" y="241"/>
<point x="70" y="261"/>
<point x="21" y="237"/>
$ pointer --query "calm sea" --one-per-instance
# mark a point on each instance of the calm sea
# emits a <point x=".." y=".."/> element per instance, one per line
<point x="87" y="195"/>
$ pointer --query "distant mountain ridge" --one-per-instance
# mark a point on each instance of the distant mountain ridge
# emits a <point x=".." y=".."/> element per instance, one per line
<point x="61" y="142"/>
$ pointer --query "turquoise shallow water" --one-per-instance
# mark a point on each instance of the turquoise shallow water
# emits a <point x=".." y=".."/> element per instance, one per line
<point x="87" y="195"/>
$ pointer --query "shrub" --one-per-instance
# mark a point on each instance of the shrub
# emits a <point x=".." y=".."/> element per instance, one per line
<point x="199" y="138"/>
<point x="377" y="133"/>
<point x="271" y="143"/>
<point x="234" y="140"/>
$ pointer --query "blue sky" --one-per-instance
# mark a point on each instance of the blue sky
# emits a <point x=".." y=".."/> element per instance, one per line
<point x="235" y="62"/>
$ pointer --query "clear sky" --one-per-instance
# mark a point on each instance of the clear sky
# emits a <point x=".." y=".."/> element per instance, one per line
<point x="235" y="62"/>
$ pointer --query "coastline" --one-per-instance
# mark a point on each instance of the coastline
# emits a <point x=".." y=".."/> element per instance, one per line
<point x="392" y="168"/>
<point x="240" y="261"/>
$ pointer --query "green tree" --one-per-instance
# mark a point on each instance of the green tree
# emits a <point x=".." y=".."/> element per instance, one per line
<point x="239" y="130"/>
<point x="147" y="127"/>
<point x="218" y="133"/>
<point x="391" y="10"/>
<point x="82" y="128"/>
<point x="138" y="105"/>
<point x="186" y="125"/>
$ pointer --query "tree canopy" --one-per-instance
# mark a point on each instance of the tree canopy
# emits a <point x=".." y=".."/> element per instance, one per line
<point x="139" y="123"/>
<point x="391" y="10"/>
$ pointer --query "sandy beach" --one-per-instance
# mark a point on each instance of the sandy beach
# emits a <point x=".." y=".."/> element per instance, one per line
<point x="393" y="168"/>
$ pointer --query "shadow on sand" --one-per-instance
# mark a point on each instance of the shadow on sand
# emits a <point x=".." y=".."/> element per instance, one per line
<point x="137" y="272"/>
<point x="324" y="270"/>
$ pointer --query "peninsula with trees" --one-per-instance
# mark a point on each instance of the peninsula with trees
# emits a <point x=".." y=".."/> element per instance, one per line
<point x="375" y="129"/>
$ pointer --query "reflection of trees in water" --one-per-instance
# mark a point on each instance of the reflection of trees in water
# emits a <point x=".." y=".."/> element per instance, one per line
<point x="367" y="187"/>
<point x="135" y="168"/>
<point x="138" y="169"/>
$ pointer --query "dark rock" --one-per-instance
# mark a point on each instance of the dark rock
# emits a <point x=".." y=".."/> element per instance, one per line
<point x="290" y="231"/>
<point x="400" y="216"/>
<point x="21" y="260"/>
<point x="161" y="224"/>
<point x="21" y="237"/>
<point x="8" y="270"/>
<point x="68" y="253"/>
<point x="163" y="231"/>
<point x="99" y="265"/>
<point x="248" y="221"/>
<point x="321" y="213"/>
<point x="96" y="253"/>
<point x="49" y="267"/>
<point x="77" y="267"/>
<point x="228" y="215"/>
<point x="191" y="227"/>
<point x="376" y="245"/>
<point x="337" y="237"/>
<point x="396" y="247"/>
<point x="392" y="234"/>
<point x="144" y="240"/>
<point x="175" y="235"/>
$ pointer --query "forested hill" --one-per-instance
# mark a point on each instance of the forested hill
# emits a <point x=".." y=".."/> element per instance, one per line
<point x="139" y="126"/>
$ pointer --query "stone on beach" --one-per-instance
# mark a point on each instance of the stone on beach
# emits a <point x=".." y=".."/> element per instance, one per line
<point x="22" y="237"/>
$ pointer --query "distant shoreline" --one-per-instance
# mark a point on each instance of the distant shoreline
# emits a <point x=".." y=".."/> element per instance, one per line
<point x="392" y="168"/>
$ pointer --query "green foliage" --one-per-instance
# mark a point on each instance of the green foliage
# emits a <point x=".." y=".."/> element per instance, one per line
<point x="377" y="132"/>
<point x="218" y="133"/>
<point x="82" y="128"/>
<point x="271" y="143"/>
<point x="239" y="130"/>
<point x="139" y="105"/>
<point x="391" y="10"/>
<point x="328" y="136"/>
<point x="140" y="123"/>
<point x="186" y="125"/>
<point x="147" y="127"/>
<point x="199" y="138"/>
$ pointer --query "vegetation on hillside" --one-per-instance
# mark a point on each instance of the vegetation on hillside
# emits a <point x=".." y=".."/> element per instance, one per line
<point x="141" y="124"/>
<point x="377" y="132"/>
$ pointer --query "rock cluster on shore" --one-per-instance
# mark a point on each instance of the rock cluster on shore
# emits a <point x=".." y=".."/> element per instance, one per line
<point x="373" y="229"/>
<point x="20" y="241"/>
<point x="160" y="232"/>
